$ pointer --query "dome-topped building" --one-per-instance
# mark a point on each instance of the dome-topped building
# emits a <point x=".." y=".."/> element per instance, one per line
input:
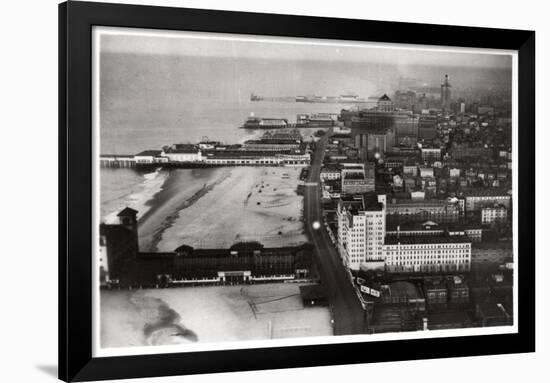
<point x="385" y="104"/>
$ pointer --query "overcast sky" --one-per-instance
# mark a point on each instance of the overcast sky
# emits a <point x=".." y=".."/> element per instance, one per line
<point x="124" y="40"/>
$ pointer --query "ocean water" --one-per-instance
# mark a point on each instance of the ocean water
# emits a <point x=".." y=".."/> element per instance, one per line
<point x="193" y="121"/>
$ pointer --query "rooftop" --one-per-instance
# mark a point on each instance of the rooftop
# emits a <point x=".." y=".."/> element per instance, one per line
<point x="352" y="167"/>
<point x="183" y="148"/>
<point x="351" y="203"/>
<point x="330" y="168"/>
<point x="428" y="226"/>
<point x="274" y="141"/>
<point x="251" y="153"/>
<point x="127" y="211"/>
<point x="354" y="176"/>
<point x="403" y="288"/>
<point x="241" y="249"/>
<point x="484" y="192"/>
<point x="362" y="202"/>
<point x="122" y="156"/>
<point x="149" y="153"/>
<point x="433" y="284"/>
<point x="413" y="240"/>
<point x="418" y="203"/>
<point x="340" y="136"/>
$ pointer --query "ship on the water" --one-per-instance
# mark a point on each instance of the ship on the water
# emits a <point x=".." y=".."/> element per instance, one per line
<point x="347" y="98"/>
<point x="255" y="97"/>
<point x="341" y="99"/>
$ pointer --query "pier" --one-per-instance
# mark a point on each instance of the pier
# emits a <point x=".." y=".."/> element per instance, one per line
<point x="206" y="162"/>
<point x="117" y="161"/>
<point x="273" y="149"/>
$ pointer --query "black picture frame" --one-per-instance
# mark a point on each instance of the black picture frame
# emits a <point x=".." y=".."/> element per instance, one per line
<point x="75" y="190"/>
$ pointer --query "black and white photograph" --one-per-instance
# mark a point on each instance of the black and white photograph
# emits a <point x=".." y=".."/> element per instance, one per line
<point x="274" y="191"/>
<point x="266" y="191"/>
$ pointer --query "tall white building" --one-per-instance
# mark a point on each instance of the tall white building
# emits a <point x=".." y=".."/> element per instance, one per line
<point x="361" y="229"/>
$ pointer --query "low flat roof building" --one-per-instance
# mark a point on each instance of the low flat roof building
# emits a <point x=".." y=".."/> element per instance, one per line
<point x="439" y="211"/>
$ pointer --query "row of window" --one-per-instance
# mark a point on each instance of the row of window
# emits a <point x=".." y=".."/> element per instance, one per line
<point x="445" y="257"/>
<point x="435" y="247"/>
<point x="405" y="263"/>
<point x="454" y="251"/>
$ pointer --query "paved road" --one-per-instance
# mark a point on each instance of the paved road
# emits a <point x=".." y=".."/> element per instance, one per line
<point x="347" y="311"/>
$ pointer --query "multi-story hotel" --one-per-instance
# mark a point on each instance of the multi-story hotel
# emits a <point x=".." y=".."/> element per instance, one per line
<point x="361" y="229"/>
<point x="376" y="131"/>
<point x="441" y="211"/>
<point x="357" y="178"/>
<point x="472" y="232"/>
<point x="427" y="254"/>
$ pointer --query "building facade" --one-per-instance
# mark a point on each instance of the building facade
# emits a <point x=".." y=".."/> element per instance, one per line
<point x="477" y="200"/>
<point x="357" y="178"/>
<point x="361" y="230"/>
<point x="494" y="215"/>
<point x="473" y="233"/>
<point x="148" y="157"/>
<point x="184" y="153"/>
<point x="122" y="264"/>
<point x="330" y="173"/>
<point x="431" y="154"/>
<point x="439" y="211"/>
<point x="234" y="158"/>
<point x="427" y="254"/>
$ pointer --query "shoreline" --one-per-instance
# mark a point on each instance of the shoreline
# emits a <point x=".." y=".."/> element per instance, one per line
<point x="140" y="198"/>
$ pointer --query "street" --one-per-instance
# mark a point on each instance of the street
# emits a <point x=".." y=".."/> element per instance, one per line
<point x="347" y="311"/>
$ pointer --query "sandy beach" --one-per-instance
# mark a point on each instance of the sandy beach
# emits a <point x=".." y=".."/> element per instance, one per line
<point x="181" y="189"/>
<point x="208" y="314"/>
<point x="245" y="204"/>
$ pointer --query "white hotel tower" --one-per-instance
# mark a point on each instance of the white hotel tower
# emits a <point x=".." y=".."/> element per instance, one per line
<point x="361" y="229"/>
<point x="362" y="241"/>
